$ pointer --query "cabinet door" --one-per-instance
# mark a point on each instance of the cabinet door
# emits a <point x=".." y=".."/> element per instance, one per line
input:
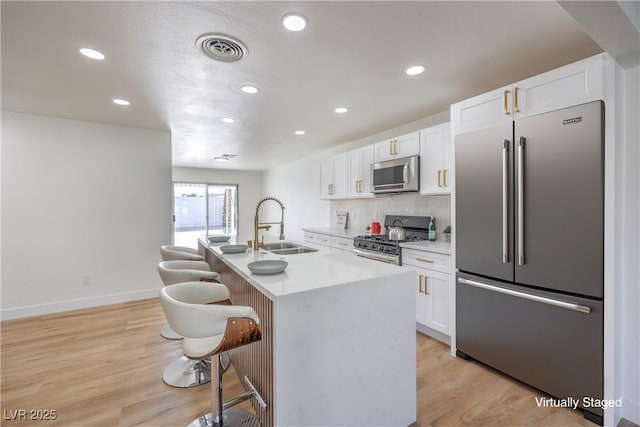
<point x="433" y="300"/>
<point x="340" y="175"/>
<point x="398" y="147"/>
<point x="447" y="176"/>
<point x="574" y="84"/>
<point x="407" y="145"/>
<point x="421" y="299"/>
<point x="482" y="111"/>
<point x="432" y="171"/>
<point x="343" y="243"/>
<point x="326" y="178"/>
<point x="436" y="288"/>
<point x="355" y="173"/>
<point x="383" y="150"/>
<point x="366" y="156"/>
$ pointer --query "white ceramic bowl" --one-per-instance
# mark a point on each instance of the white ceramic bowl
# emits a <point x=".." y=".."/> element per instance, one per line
<point x="233" y="249"/>
<point x="267" y="266"/>
<point x="218" y="239"/>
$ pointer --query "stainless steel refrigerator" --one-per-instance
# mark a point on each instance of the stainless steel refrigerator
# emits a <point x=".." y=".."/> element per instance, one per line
<point x="529" y="250"/>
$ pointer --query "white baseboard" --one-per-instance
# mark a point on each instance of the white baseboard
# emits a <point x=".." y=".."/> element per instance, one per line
<point x="443" y="338"/>
<point x="56" y="307"/>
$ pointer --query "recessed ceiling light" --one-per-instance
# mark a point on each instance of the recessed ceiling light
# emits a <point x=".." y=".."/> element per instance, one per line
<point x="294" y="22"/>
<point x="249" y="89"/>
<point x="228" y="119"/>
<point x="415" y="70"/>
<point x="300" y="132"/>
<point x="91" y="53"/>
<point x="121" y="102"/>
<point x="341" y="110"/>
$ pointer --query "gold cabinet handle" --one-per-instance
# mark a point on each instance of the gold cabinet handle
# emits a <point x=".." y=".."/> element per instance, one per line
<point x="444" y="178"/>
<point x="439" y="178"/>
<point x="516" y="104"/>
<point x="395" y="146"/>
<point x="391" y="147"/>
<point x="421" y="282"/>
<point x="425" y="260"/>
<point x="426" y="285"/>
<point x="342" y="243"/>
<point x="505" y="106"/>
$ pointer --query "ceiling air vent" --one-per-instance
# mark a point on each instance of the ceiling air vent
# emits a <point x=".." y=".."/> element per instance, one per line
<point x="221" y="47"/>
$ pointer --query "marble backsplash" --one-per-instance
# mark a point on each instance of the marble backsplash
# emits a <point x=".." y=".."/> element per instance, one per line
<point x="362" y="212"/>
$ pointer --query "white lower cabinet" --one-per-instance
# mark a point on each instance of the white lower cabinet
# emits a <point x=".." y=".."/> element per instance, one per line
<point x="433" y="288"/>
<point x="432" y="301"/>
<point x="344" y="243"/>
<point x="320" y="239"/>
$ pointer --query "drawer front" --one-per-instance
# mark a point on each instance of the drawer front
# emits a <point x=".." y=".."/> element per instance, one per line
<point x="343" y="243"/>
<point x="320" y="239"/>
<point x="429" y="260"/>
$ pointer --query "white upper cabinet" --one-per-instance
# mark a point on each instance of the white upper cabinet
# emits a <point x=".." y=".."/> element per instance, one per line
<point x="326" y="178"/>
<point x="334" y="177"/>
<point x="435" y="160"/>
<point x="360" y="161"/>
<point x="340" y="175"/>
<point x="573" y="84"/>
<point x="482" y="111"/>
<point x="396" y="148"/>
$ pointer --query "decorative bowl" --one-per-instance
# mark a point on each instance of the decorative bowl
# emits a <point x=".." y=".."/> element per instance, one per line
<point x="233" y="249"/>
<point x="267" y="266"/>
<point x="218" y="239"/>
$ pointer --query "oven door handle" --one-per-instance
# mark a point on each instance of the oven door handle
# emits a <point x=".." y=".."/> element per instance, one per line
<point x="379" y="257"/>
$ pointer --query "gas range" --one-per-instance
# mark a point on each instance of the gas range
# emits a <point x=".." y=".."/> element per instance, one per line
<point x="381" y="248"/>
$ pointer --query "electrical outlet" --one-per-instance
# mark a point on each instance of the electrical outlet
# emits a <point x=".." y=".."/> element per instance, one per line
<point x="85" y="280"/>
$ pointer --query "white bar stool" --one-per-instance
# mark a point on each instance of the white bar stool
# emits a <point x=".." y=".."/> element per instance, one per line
<point x="208" y="330"/>
<point x="172" y="252"/>
<point x="184" y="372"/>
<point x="172" y="272"/>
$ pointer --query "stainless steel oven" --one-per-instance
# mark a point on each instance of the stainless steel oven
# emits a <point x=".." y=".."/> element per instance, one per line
<point x="396" y="176"/>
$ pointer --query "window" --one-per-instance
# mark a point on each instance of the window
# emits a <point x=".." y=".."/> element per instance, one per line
<point x="201" y="209"/>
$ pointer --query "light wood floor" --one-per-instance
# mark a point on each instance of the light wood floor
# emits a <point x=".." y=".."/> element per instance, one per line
<point x="103" y="367"/>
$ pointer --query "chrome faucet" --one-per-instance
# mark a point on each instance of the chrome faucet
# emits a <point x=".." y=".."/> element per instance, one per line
<point x="257" y="225"/>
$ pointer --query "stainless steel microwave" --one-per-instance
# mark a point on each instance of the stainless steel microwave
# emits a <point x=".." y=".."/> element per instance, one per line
<point x="396" y="176"/>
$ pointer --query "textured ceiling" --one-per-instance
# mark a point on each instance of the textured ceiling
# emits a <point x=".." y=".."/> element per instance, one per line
<point x="352" y="54"/>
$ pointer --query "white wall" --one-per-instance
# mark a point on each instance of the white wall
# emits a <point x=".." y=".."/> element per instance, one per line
<point x="297" y="185"/>
<point x="628" y="276"/>
<point x="81" y="198"/>
<point x="249" y="190"/>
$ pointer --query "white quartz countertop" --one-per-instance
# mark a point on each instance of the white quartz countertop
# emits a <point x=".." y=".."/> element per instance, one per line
<point x="439" y="247"/>
<point x="336" y="232"/>
<point x="306" y="272"/>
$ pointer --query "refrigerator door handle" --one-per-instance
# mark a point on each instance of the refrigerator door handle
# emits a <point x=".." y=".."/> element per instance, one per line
<point x="544" y="300"/>
<point x="505" y="201"/>
<point x="520" y="213"/>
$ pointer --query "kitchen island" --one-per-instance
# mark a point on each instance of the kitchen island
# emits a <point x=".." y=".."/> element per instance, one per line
<point x="338" y="337"/>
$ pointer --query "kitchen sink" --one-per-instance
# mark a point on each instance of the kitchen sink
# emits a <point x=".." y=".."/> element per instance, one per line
<point x="287" y="248"/>
<point x="280" y="245"/>
<point x="292" y="251"/>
